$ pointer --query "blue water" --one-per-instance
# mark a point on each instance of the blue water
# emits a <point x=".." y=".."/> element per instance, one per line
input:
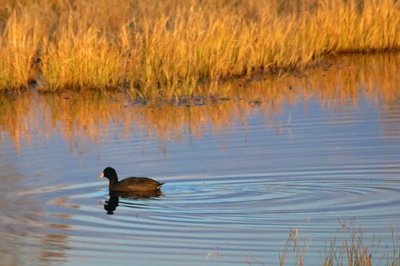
<point x="235" y="190"/>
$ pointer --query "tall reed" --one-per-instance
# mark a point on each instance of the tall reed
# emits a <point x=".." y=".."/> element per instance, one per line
<point x="172" y="48"/>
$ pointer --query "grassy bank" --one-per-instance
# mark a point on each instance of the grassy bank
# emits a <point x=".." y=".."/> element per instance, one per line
<point x="89" y="116"/>
<point x="169" y="48"/>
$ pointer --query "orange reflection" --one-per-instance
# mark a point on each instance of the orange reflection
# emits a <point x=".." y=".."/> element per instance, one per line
<point x="93" y="116"/>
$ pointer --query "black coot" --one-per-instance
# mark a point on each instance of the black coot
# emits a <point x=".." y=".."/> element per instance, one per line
<point x="130" y="184"/>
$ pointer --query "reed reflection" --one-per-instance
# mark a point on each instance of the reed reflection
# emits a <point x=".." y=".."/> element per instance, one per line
<point x="80" y="118"/>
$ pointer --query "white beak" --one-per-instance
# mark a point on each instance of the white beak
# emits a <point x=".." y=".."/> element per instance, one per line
<point x="101" y="175"/>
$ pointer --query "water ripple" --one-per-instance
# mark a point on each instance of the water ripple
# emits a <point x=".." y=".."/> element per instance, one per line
<point x="233" y="214"/>
<point x="210" y="204"/>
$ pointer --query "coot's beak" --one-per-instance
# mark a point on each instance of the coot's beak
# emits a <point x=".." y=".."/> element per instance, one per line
<point x="101" y="175"/>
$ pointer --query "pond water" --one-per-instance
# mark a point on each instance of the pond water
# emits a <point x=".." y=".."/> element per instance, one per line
<point x="285" y="167"/>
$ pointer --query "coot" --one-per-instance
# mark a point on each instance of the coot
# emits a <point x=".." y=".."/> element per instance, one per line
<point x="130" y="184"/>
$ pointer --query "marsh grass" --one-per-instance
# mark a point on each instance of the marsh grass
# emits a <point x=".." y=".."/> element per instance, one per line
<point x="165" y="49"/>
<point x="18" y="43"/>
<point x="351" y="246"/>
<point x="294" y="245"/>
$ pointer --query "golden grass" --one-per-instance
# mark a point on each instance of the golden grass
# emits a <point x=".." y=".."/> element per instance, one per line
<point x="349" y="247"/>
<point x="171" y="48"/>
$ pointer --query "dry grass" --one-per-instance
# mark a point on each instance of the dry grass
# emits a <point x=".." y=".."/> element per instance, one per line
<point x="349" y="247"/>
<point x="170" y="48"/>
<point x="351" y="250"/>
<point x="293" y="246"/>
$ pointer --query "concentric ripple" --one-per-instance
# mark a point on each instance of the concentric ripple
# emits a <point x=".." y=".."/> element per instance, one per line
<point x="222" y="218"/>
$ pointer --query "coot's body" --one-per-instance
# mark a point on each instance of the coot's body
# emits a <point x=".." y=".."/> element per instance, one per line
<point x="135" y="184"/>
<point x="130" y="184"/>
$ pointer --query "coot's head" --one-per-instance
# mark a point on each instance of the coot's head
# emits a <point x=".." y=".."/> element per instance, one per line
<point x="109" y="173"/>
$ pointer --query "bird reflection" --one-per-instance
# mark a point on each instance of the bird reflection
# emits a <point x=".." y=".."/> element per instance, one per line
<point x="112" y="203"/>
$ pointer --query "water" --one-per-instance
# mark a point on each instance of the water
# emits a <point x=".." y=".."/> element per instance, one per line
<point x="302" y="161"/>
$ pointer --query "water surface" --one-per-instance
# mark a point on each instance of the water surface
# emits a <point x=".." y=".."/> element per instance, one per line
<point x="309" y="159"/>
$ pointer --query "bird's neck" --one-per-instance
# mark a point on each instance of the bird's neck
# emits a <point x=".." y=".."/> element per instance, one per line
<point x="112" y="182"/>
